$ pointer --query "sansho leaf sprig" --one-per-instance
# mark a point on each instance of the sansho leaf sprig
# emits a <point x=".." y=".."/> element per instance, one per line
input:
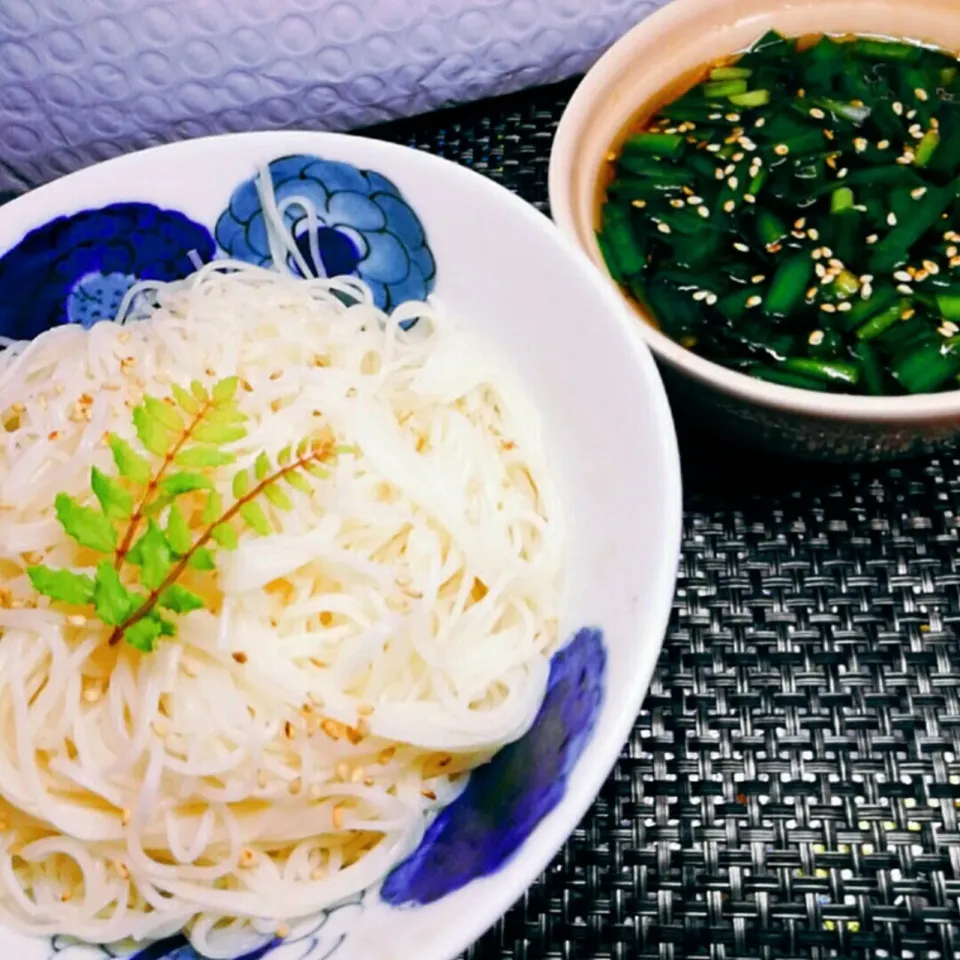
<point x="154" y="523"/>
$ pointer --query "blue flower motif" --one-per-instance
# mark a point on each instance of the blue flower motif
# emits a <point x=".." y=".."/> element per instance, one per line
<point x="77" y="269"/>
<point x="506" y="799"/>
<point x="344" y="221"/>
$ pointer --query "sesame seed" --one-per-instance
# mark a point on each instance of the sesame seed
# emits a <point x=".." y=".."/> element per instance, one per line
<point x="714" y="147"/>
<point x="892" y="219"/>
<point x="811" y="293"/>
<point x="918" y="192"/>
<point x="718" y="173"/>
<point x="950" y="327"/>
<point x="951" y="251"/>
<point x="815" y="338"/>
<point x="729" y="206"/>
<point x="781" y="149"/>
<point x="715" y="116"/>
<point x="873" y="238"/>
<point x="639" y="204"/>
<point x="821" y="270"/>
<point x="663" y="228"/>
<point x="676" y="204"/>
<point x="860" y="144"/>
<point x="954" y="262"/>
<point x="866" y="292"/>
<point x="611" y="157"/>
<point x="742" y="247"/>
<point x="754" y="301"/>
<point x="712" y="298"/>
<point x="737" y="157"/>
<point x="898" y="108"/>
<point x="800" y="223"/>
<point x="816" y="254"/>
<point x="921" y="94"/>
<point x="757" y="278"/>
<point x="907" y="314"/>
<point x="700" y="295"/>
<point x="828" y="308"/>
<point x="844" y="307"/>
<point x="883" y="144"/>
<point x="817" y="113"/>
<point x="905" y="289"/>
<point x="747" y="144"/>
<point x="760" y="122"/>
<point x="920" y="276"/>
<point x="906" y="159"/>
<point x="704" y="212"/>
<point x="693" y="199"/>
<point x="732" y="117"/>
<point x="774" y="247"/>
<point x="749" y="198"/>
<point x="902" y="276"/>
<point x="842" y="173"/>
<point x="813" y="234"/>
<point x="733" y="183"/>
<point x="916" y="131"/>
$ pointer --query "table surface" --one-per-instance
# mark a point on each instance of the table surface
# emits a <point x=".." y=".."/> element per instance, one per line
<point x="791" y="787"/>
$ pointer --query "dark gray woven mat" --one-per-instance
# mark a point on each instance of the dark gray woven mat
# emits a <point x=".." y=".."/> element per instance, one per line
<point x="791" y="788"/>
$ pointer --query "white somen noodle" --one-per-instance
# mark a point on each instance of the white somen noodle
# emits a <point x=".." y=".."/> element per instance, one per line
<point x="290" y="744"/>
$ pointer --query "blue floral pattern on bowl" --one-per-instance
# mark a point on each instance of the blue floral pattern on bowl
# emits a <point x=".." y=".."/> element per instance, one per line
<point x="77" y="269"/>
<point x="505" y="799"/>
<point x="318" y="939"/>
<point x="344" y="221"/>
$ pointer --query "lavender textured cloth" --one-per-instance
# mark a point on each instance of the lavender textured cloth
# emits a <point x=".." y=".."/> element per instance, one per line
<point x="83" y="80"/>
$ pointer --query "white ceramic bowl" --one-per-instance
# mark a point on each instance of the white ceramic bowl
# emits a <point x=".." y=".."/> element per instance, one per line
<point x="678" y="38"/>
<point x="411" y="224"/>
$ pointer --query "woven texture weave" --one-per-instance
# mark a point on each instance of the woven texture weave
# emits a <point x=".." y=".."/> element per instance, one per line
<point x="792" y="786"/>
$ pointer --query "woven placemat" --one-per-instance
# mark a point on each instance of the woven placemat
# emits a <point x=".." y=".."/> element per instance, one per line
<point x="791" y="788"/>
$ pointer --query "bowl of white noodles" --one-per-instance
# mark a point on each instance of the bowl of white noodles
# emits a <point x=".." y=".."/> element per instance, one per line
<point x="339" y="523"/>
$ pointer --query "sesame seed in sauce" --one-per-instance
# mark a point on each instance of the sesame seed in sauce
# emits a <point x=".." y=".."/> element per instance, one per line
<point x="815" y="338"/>
<point x="905" y="289"/>
<point x="891" y="219"/>
<point x="754" y="301"/>
<point x="873" y="238"/>
<point x="828" y="308"/>
<point x="663" y="228"/>
<point x="817" y="113"/>
<point x="781" y="149"/>
<point x="844" y="307"/>
<point x="897" y="108"/>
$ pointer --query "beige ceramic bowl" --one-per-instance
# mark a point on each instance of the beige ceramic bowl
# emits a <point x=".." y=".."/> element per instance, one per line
<point x="679" y="38"/>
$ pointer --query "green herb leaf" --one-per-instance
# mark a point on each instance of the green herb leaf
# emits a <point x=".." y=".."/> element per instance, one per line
<point x="167" y="627"/>
<point x="229" y="413"/>
<point x="180" y="599"/>
<point x="164" y="413"/>
<point x="112" y="600"/>
<point x="213" y="508"/>
<point x="241" y="484"/>
<point x="262" y="466"/>
<point x="188" y="403"/>
<point x="204" y="457"/>
<point x="298" y="481"/>
<point x="115" y="500"/>
<point x="202" y="559"/>
<point x="218" y="433"/>
<point x="276" y="495"/>
<point x="225" y="535"/>
<point x="225" y="390"/>
<point x="153" y="434"/>
<point x="89" y="527"/>
<point x="129" y="463"/>
<point x="315" y="470"/>
<point x="142" y="634"/>
<point x="303" y="448"/>
<point x="152" y="555"/>
<point x="178" y="532"/>
<point x="285" y="456"/>
<point x="184" y="482"/>
<point x="63" y="585"/>
<point x="199" y="391"/>
<point x="255" y="518"/>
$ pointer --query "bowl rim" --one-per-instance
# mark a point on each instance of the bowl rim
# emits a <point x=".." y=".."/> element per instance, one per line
<point x="621" y="59"/>
<point x="649" y="629"/>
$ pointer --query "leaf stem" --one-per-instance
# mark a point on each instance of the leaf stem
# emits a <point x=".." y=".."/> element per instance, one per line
<point x="318" y="455"/>
<point x="137" y="517"/>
